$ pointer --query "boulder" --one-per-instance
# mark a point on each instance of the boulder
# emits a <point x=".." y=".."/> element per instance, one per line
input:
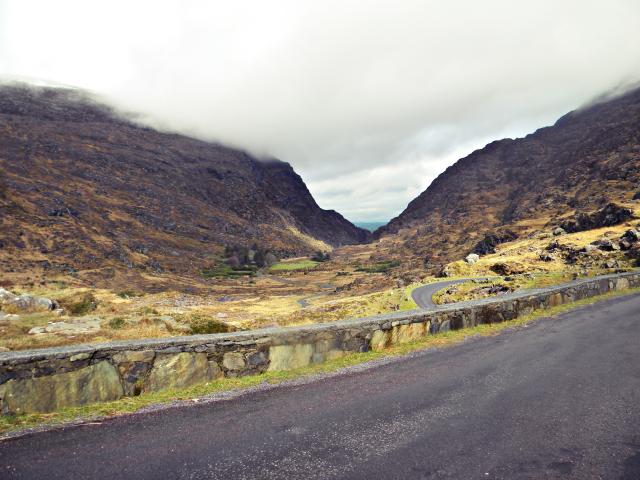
<point x="6" y="296"/>
<point x="608" y="216"/>
<point x="8" y="317"/>
<point x="632" y="235"/>
<point x="546" y="257"/>
<point x="179" y="371"/>
<point x="606" y="245"/>
<point x="233" y="361"/>
<point x="472" y="258"/>
<point x="172" y="325"/>
<point x="590" y="248"/>
<point x="490" y="241"/>
<point x="26" y="303"/>
<point x="75" y="327"/>
<point x="636" y="196"/>
<point x="96" y="383"/>
<point x="507" y="269"/>
<point x="558" y="231"/>
<point x="624" y="244"/>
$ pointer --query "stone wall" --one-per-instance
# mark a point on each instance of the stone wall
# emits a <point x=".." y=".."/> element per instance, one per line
<point x="47" y="379"/>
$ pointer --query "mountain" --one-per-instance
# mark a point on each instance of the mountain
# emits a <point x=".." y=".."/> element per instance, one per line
<point x="84" y="188"/>
<point x="588" y="158"/>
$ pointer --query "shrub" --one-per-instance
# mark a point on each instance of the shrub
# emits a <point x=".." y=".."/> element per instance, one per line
<point x="200" y="324"/>
<point x="128" y="294"/>
<point x="320" y="256"/>
<point x="379" y="267"/>
<point x="116" y="323"/>
<point x="79" y="304"/>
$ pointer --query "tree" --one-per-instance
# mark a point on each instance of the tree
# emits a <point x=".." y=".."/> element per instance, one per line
<point x="259" y="258"/>
<point x="270" y="259"/>
<point x="233" y="261"/>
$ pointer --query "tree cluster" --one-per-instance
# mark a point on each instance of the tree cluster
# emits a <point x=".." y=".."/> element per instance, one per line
<point x="238" y="256"/>
<point x="320" y="256"/>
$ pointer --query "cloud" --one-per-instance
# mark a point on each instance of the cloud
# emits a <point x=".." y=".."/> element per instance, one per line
<point x="368" y="100"/>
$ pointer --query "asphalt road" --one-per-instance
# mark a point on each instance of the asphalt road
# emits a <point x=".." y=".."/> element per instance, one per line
<point x="423" y="296"/>
<point x="557" y="399"/>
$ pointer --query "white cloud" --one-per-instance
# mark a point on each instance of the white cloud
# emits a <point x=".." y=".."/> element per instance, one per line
<point x="370" y="97"/>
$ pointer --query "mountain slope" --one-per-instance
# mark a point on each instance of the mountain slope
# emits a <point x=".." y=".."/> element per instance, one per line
<point x="83" y="188"/>
<point x="588" y="158"/>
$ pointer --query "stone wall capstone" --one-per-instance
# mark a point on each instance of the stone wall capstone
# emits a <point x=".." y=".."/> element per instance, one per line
<point x="47" y="379"/>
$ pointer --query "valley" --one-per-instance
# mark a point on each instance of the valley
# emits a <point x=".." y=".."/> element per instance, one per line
<point x="184" y="237"/>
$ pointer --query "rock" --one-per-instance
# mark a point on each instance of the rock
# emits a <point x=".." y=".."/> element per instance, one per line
<point x="95" y="383"/>
<point x="559" y="231"/>
<point x="545" y="257"/>
<point x="80" y="356"/>
<point x="610" y="264"/>
<point x="287" y="357"/>
<point x="6" y="296"/>
<point x="632" y="235"/>
<point x="9" y="317"/>
<point x="134" y="356"/>
<point x="173" y="325"/>
<point x="625" y="244"/>
<point x="444" y="272"/>
<point x="233" y="361"/>
<point x="179" y="371"/>
<point x="636" y="196"/>
<point x="256" y="359"/>
<point x="608" y="216"/>
<point x="472" y="258"/>
<point x="379" y="340"/>
<point x="490" y="241"/>
<point x="26" y="303"/>
<point x="506" y="269"/>
<point x="75" y="327"/>
<point x="606" y="245"/>
<point x="590" y="248"/>
<point x="498" y="289"/>
<point x="221" y="315"/>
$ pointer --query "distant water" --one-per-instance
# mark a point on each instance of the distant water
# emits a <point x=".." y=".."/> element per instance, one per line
<point x="371" y="226"/>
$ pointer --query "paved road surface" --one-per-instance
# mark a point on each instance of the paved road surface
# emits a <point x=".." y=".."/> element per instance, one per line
<point x="558" y="399"/>
<point x="423" y="295"/>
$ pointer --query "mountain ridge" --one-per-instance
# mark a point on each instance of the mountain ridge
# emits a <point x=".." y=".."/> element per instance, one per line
<point x="586" y="159"/>
<point x="86" y="188"/>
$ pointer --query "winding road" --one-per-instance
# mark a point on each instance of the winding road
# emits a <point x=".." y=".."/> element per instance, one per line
<point x="557" y="399"/>
<point x="423" y="296"/>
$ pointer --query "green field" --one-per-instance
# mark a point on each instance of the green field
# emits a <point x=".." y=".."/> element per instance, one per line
<point x="287" y="266"/>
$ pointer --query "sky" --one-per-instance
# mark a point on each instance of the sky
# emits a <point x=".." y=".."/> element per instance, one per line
<point x="368" y="100"/>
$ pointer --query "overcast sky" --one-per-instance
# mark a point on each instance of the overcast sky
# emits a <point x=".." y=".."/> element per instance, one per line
<point x="368" y="100"/>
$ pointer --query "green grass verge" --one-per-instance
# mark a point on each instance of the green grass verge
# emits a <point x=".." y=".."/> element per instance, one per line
<point x="132" y="404"/>
<point x="378" y="267"/>
<point x="225" y="271"/>
<point x="297" y="265"/>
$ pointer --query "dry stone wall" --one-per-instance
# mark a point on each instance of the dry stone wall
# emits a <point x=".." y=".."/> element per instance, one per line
<point x="47" y="379"/>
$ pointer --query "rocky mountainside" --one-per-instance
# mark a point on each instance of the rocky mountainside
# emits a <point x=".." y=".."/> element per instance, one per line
<point x="588" y="158"/>
<point x="83" y="188"/>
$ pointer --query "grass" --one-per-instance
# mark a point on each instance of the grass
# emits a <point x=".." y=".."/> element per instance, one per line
<point x="225" y="271"/>
<point x="126" y="405"/>
<point x="471" y="290"/>
<point x="200" y="324"/>
<point x="288" y="266"/>
<point x="379" y="267"/>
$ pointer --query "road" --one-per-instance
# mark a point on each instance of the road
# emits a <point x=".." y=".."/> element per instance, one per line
<point x="557" y="399"/>
<point x="423" y="296"/>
